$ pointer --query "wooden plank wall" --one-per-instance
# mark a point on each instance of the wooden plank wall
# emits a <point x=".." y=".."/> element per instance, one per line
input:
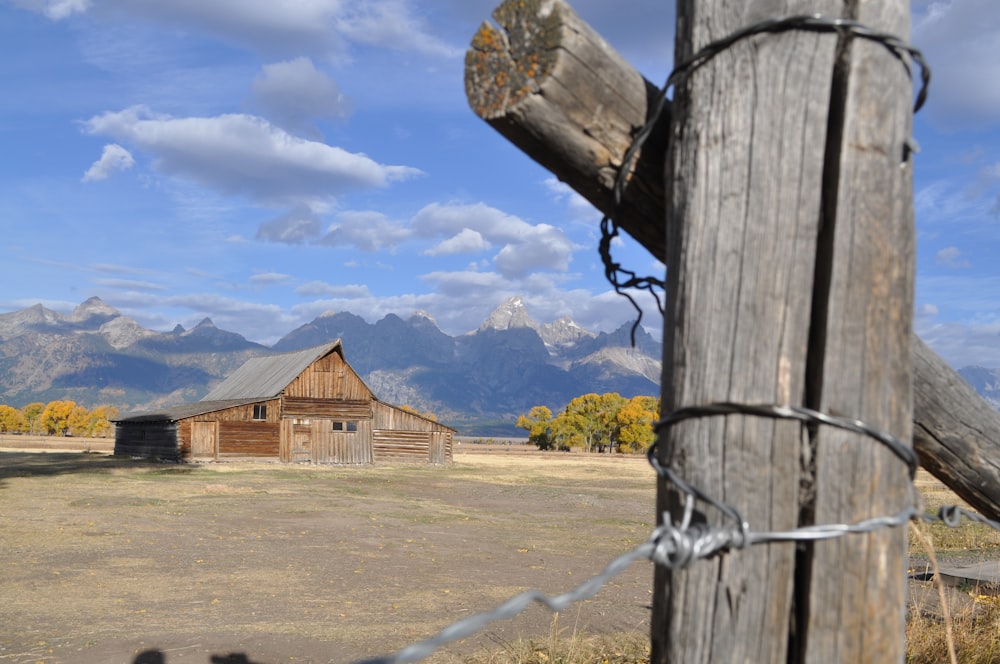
<point x="184" y="439"/>
<point x="329" y="377"/>
<point x="258" y="439"/>
<point x="390" y="417"/>
<point x="150" y="440"/>
<point x="398" y="435"/>
<point x="393" y="446"/>
<point x="337" y="409"/>
<point x="342" y="447"/>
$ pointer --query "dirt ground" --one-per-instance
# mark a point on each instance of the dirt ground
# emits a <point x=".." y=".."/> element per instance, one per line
<point x="112" y="561"/>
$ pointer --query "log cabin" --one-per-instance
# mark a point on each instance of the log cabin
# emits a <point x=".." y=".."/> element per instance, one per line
<point x="303" y="406"/>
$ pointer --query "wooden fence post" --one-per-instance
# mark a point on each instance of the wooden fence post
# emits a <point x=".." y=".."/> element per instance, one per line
<point x="789" y="216"/>
<point x="790" y="282"/>
<point x="956" y="433"/>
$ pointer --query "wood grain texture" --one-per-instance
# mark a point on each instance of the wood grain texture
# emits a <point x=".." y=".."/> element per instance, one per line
<point x="956" y="433"/>
<point x="952" y="424"/>
<point x="861" y="351"/>
<point x="548" y="82"/>
<point x="744" y="176"/>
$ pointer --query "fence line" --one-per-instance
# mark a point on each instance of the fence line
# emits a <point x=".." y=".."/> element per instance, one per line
<point x="677" y="544"/>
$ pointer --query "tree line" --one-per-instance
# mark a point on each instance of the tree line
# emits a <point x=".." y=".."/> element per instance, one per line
<point x="594" y="422"/>
<point x="58" y="418"/>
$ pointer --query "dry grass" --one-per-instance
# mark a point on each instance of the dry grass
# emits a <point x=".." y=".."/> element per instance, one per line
<point x="564" y="646"/>
<point x="170" y="551"/>
<point x="967" y="628"/>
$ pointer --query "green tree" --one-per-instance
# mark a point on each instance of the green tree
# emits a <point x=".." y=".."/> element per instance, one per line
<point x="11" y="419"/>
<point x="54" y="420"/>
<point x="538" y="424"/>
<point x="635" y="423"/>
<point x="32" y="412"/>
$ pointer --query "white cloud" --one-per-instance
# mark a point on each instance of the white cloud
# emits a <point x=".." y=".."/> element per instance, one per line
<point x="299" y="225"/>
<point x="964" y="344"/>
<point x="543" y="247"/>
<point x="951" y="257"/>
<point x="244" y="154"/>
<point x="579" y="207"/>
<point x="113" y="158"/>
<point x="496" y="226"/>
<point x="55" y="9"/>
<point x="467" y="241"/>
<point x="368" y="231"/>
<point x="526" y="247"/>
<point x="321" y="288"/>
<point x="390" y="24"/>
<point x="961" y="41"/>
<point x="269" y="278"/>
<point x="927" y="311"/>
<point x="130" y="284"/>
<point x="293" y="94"/>
<point x="289" y="26"/>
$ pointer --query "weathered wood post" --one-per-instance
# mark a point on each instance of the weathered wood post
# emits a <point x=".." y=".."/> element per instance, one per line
<point x="790" y="246"/>
<point x="956" y="433"/>
<point x="791" y="282"/>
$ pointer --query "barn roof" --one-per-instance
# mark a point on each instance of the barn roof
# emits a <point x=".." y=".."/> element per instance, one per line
<point x="266" y="377"/>
<point x="175" y="413"/>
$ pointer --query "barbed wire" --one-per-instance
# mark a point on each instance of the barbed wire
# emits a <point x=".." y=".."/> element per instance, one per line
<point x="678" y="544"/>
<point x="621" y="278"/>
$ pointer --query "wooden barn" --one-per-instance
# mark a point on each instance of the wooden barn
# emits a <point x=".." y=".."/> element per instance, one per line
<point x="303" y="406"/>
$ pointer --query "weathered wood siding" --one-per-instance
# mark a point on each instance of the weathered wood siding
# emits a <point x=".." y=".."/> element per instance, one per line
<point x="341" y="446"/>
<point x="258" y="439"/>
<point x="398" y="435"/>
<point x="312" y="408"/>
<point x="150" y="440"/>
<point x="325" y="415"/>
<point x="329" y="377"/>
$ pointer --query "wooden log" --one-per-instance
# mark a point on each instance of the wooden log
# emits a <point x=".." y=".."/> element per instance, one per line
<point x="745" y="177"/>
<point x="550" y="84"/>
<point x="860" y="345"/>
<point x="955" y="432"/>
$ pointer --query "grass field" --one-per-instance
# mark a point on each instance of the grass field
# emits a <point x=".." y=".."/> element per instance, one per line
<point x="103" y="559"/>
<point x="108" y="560"/>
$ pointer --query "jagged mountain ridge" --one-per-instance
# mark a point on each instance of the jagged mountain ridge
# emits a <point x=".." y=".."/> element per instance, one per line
<point x="96" y="355"/>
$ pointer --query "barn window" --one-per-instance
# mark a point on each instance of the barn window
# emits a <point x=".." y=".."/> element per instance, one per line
<point x="345" y="426"/>
<point x="338" y="426"/>
<point x="352" y="426"/>
<point x="260" y="411"/>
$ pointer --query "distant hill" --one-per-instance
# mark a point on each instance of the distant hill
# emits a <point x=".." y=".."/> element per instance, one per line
<point x="478" y="382"/>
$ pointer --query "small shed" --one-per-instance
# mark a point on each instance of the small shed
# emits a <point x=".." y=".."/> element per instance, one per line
<point x="303" y="406"/>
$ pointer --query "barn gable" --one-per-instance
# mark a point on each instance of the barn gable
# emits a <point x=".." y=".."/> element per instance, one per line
<point x="303" y="406"/>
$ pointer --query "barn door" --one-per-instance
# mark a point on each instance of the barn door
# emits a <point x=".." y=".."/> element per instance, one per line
<point x="204" y="440"/>
<point x="302" y="448"/>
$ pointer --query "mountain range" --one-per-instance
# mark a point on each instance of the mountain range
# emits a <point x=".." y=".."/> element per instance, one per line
<point x="478" y="382"/>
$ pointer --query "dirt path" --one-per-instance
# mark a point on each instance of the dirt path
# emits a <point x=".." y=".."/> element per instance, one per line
<point x="109" y="561"/>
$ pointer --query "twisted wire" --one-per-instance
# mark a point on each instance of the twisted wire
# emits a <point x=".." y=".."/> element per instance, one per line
<point x="621" y="278"/>
<point x="678" y="545"/>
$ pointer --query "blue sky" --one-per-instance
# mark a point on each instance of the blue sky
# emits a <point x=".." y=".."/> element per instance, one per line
<point x="261" y="162"/>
